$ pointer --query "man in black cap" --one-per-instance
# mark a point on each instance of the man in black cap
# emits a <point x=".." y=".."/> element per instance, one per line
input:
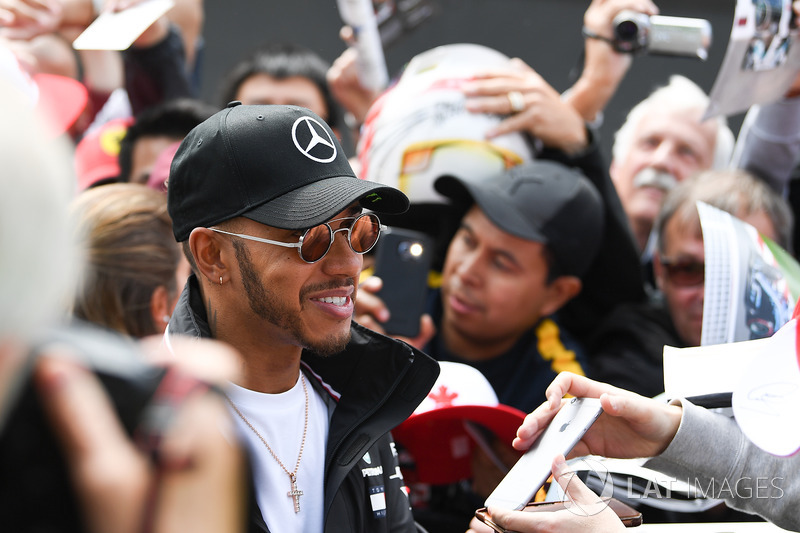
<point x="258" y="195"/>
<point x="526" y="240"/>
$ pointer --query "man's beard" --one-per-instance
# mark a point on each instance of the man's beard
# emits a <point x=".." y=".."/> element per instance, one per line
<point x="266" y="305"/>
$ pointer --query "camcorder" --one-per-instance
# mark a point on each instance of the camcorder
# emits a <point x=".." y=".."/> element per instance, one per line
<point x="675" y="36"/>
<point x="36" y="492"/>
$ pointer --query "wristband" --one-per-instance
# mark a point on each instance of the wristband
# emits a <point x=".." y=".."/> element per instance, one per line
<point x="589" y="34"/>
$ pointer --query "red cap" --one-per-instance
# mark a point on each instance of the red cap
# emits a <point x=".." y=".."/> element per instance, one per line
<point x="437" y="435"/>
<point x="96" y="154"/>
<point x="61" y="100"/>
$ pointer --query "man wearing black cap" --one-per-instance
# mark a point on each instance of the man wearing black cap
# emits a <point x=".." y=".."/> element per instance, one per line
<point x="258" y="195"/>
<point x="525" y="240"/>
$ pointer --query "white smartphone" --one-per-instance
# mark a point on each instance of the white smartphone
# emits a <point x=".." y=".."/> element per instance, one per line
<point x="530" y="472"/>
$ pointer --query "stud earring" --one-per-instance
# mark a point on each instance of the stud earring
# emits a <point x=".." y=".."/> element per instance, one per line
<point x="220" y="280"/>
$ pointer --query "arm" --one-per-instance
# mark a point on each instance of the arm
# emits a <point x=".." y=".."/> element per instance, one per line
<point x="711" y="451"/>
<point x="769" y="142"/>
<point x="692" y="443"/>
<point x="603" y="71"/>
<point x="604" y="68"/>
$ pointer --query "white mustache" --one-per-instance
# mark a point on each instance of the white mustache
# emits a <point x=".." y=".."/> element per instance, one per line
<point x="650" y="177"/>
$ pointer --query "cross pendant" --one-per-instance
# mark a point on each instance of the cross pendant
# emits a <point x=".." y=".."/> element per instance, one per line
<point x="294" y="493"/>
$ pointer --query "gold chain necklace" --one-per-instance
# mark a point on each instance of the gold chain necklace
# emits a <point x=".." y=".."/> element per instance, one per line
<point x="294" y="492"/>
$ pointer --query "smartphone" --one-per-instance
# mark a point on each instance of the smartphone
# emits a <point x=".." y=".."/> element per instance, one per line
<point x="530" y="472"/>
<point x="402" y="261"/>
<point x="629" y="516"/>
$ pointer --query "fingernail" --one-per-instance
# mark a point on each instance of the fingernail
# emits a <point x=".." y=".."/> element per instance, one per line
<point x="560" y="466"/>
<point x="383" y="315"/>
<point x="614" y="403"/>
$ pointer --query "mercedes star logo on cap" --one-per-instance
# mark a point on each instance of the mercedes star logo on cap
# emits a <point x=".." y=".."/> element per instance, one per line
<point x="313" y="140"/>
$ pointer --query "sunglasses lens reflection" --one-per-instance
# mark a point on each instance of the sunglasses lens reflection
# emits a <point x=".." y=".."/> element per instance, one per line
<point x="686" y="273"/>
<point x="364" y="233"/>
<point x="316" y="242"/>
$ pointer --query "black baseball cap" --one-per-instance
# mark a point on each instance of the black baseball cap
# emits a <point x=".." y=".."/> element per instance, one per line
<point x="278" y="165"/>
<point x="541" y="201"/>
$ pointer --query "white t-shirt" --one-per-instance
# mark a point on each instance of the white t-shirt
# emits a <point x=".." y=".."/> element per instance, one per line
<point x="279" y="418"/>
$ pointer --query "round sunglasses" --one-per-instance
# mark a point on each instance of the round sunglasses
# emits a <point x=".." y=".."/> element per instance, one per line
<point x="363" y="232"/>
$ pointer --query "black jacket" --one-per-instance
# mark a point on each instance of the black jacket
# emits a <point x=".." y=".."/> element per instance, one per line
<point x="627" y="350"/>
<point x="380" y="382"/>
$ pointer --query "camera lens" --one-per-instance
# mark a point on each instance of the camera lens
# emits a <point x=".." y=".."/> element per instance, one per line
<point x="410" y="250"/>
<point x="627" y="30"/>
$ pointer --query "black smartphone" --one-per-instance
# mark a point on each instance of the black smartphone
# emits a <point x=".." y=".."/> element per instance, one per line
<point x="402" y="261"/>
<point x="35" y="488"/>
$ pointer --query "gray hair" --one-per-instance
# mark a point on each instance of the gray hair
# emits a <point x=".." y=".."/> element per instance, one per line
<point x="735" y="191"/>
<point x="678" y="95"/>
<point x="39" y="264"/>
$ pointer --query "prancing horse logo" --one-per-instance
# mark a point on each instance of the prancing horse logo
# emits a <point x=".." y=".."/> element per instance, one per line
<point x="313" y="140"/>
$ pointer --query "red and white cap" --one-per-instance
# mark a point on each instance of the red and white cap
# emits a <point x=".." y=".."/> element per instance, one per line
<point x="437" y="435"/>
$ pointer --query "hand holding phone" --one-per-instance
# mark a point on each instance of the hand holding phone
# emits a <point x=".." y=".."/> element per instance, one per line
<point x="533" y="468"/>
<point x="629" y="516"/>
<point x="402" y="261"/>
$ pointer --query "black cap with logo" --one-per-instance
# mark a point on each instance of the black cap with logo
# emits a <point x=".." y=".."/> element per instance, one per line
<point x="541" y="201"/>
<point x="278" y="165"/>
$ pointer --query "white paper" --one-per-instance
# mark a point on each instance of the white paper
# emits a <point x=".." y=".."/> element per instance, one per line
<point x="761" y="61"/>
<point x="746" y="293"/>
<point x="117" y="31"/>
<point x="707" y="369"/>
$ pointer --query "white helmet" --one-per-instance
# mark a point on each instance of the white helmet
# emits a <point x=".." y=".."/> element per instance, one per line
<point x="420" y="129"/>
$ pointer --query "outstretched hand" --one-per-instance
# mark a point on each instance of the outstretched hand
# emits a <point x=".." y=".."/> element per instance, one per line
<point x="630" y="426"/>
<point x="584" y="510"/>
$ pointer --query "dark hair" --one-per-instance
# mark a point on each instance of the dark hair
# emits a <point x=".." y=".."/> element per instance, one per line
<point x="173" y="119"/>
<point x="281" y="61"/>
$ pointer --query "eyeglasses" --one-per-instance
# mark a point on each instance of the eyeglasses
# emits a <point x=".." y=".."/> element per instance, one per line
<point x="684" y="272"/>
<point x="362" y="235"/>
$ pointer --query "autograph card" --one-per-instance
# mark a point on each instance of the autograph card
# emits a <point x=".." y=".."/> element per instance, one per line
<point x="117" y="31"/>
<point x="766" y="401"/>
